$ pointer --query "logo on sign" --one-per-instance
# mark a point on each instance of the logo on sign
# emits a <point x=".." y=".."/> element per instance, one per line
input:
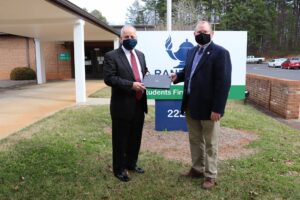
<point x="180" y="54"/>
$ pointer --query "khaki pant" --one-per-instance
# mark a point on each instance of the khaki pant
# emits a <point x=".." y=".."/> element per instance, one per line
<point x="204" y="138"/>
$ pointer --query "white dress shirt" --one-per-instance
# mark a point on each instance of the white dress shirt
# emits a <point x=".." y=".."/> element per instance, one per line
<point x="127" y="53"/>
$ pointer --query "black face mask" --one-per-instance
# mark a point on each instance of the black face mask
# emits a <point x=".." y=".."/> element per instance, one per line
<point x="202" y="38"/>
<point x="129" y="44"/>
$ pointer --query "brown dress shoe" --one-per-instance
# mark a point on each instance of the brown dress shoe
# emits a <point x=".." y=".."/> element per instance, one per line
<point x="193" y="174"/>
<point x="209" y="183"/>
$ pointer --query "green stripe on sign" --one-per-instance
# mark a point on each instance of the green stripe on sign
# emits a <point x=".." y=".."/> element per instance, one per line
<point x="176" y="92"/>
<point x="237" y="92"/>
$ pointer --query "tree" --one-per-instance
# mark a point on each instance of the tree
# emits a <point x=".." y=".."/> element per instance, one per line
<point x="254" y="16"/>
<point x="185" y="15"/>
<point x="135" y="14"/>
<point x="296" y="12"/>
<point x="151" y="12"/>
<point x="273" y="26"/>
<point x="98" y="15"/>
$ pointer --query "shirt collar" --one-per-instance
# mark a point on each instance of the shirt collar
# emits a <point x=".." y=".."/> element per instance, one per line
<point x="205" y="46"/>
<point x="127" y="51"/>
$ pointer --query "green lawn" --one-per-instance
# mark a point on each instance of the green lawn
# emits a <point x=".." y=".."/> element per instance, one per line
<point x="103" y="93"/>
<point x="68" y="156"/>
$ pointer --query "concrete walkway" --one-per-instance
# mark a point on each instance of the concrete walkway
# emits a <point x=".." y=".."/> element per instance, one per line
<point x="22" y="106"/>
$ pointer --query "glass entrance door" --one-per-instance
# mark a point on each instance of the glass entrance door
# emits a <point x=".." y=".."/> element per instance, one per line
<point x="93" y="63"/>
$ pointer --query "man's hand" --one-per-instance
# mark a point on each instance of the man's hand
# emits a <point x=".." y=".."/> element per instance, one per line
<point x="173" y="77"/>
<point x="215" y="116"/>
<point x="138" y="86"/>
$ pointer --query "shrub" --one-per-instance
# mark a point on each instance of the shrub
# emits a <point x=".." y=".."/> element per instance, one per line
<point x="22" y="73"/>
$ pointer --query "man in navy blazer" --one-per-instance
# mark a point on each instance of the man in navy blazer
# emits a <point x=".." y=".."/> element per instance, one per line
<point x="207" y="80"/>
<point x="124" y="69"/>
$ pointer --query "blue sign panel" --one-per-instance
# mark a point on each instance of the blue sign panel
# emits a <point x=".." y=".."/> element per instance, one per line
<point x="168" y="117"/>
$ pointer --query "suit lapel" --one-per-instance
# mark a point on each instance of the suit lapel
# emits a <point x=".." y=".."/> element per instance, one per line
<point x="190" y="61"/>
<point x="141" y="60"/>
<point x="205" y="56"/>
<point x="125" y="62"/>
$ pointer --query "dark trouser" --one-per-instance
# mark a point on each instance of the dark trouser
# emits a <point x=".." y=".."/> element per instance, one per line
<point x="126" y="139"/>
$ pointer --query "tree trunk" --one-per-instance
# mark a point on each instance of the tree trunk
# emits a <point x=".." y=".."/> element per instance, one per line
<point x="297" y="24"/>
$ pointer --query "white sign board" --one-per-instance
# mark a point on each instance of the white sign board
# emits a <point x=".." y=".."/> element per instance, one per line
<point x="164" y="52"/>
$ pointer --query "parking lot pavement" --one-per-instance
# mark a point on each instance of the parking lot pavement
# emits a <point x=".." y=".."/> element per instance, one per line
<point x="263" y="69"/>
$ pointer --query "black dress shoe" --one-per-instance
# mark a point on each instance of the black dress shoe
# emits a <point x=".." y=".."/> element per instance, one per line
<point x="137" y="170"/>
<point x="122" y="176"/>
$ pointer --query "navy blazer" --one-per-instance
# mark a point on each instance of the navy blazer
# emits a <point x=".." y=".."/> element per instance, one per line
<point x="210" y="84"/>
<point x="119" y="75"/>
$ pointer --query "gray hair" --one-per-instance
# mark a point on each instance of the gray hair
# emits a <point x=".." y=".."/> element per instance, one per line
<point x="125" y="27"/>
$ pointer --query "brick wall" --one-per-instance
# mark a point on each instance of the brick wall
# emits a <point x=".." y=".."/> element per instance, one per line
<point x="280" y="96"/>
<point x="15" y="53"/>
<point x="56" y="69"/>
<point x="20" y="52"/>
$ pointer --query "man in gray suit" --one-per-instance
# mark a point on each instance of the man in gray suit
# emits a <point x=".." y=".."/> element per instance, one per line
<point x="124" y="69"/>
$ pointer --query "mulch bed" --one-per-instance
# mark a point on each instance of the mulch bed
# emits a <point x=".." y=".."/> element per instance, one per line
<point x="174" y="145"/>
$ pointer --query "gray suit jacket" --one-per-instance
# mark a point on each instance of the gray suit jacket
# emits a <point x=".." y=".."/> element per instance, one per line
<point x="119" y="75"/>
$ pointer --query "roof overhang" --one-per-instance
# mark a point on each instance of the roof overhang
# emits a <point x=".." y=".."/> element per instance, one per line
<point x="50" y="20"/>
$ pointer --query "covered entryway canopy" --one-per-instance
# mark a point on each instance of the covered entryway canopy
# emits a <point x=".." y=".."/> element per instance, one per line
<point x="55" y="20"/>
